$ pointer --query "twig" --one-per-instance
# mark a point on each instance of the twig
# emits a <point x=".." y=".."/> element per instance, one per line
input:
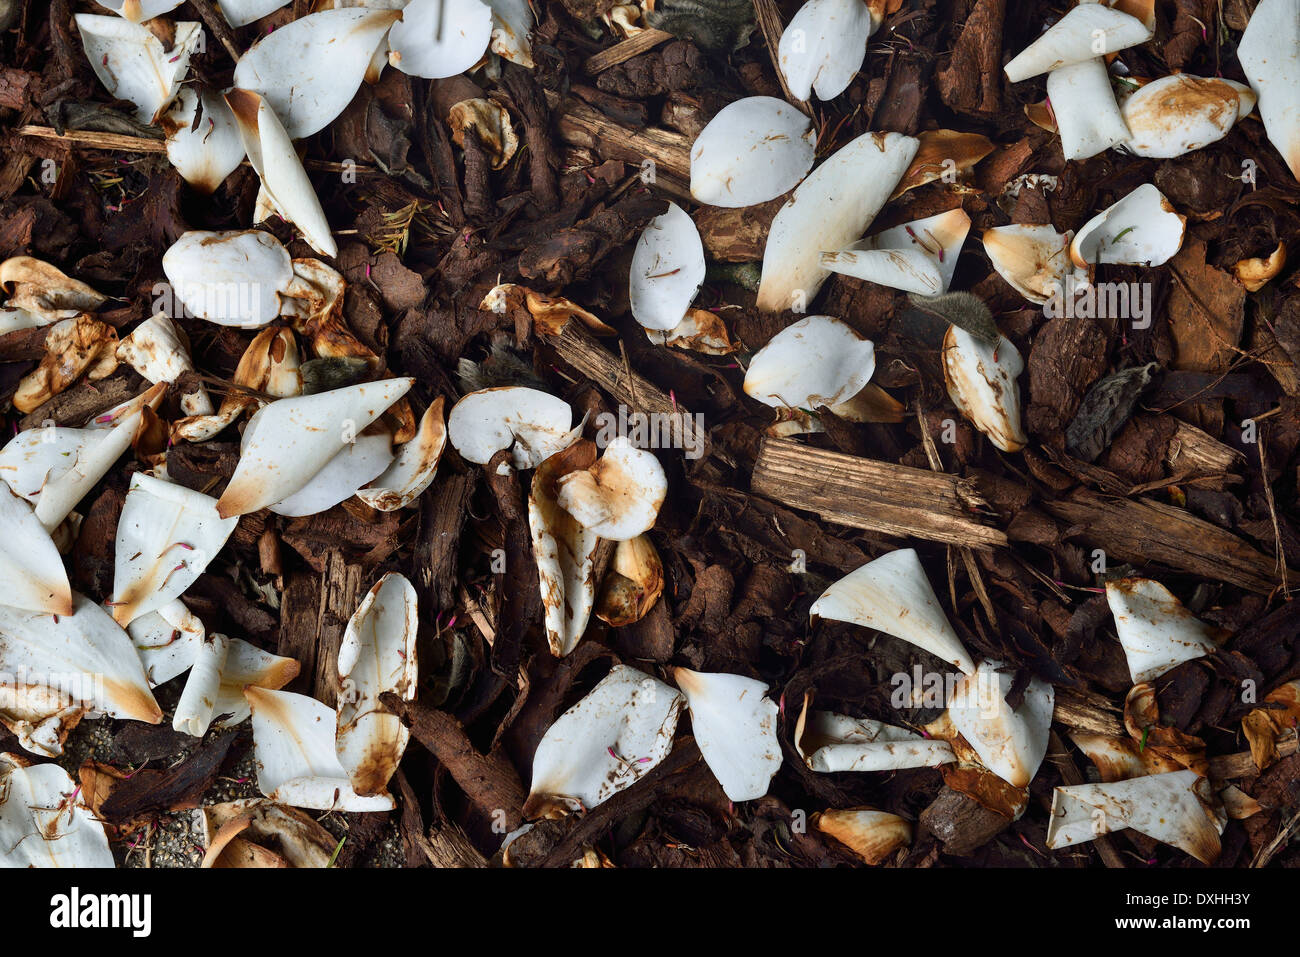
<point x="624" y="50"/>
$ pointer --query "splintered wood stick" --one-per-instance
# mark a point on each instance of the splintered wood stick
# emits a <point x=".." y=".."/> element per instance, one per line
<point x="90" y="139"/>
<point x="576" y="346"/>
<point x="1141" y="530"/>
<point x="1225" y="767"/>
<point x="1087" y="712"/>
<point x="1193" y="452"/>
<point x="580" y="125"/>
<point x="871" y="495"/>
<point x="624" y="50"/>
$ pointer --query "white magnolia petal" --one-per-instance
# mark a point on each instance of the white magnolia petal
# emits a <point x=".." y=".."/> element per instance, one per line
<point x="309" y="70"/>
<point x="752" y="151"/>
<point x="85" y="655"/>
<point x="288" y="441"/>
<point x="241" y="12"/>
<point x="533" y="424"/>
<point x="360" y="461"/>
<point x="1087" y="31"/>
<point x="1167" y="807"/>
<point x="55" y="467"/>
<point x="377" y="656"/>
<point x="1180" y="113"/>
<point x="206" y="155"/>
<point x="1009" y="743"/>
<point x="133" y="64"/>
<point x="44" y="291"/>
<point x="919" y="257"/>
<point x="1157" y="632"/>
<point x="1269" y="53"/>
<point x="155" y="350"/>
<point x="44" y="821"/>
<point x="167" y="641"/>
<point x="606" y="742"/>
<point x="830" y="742"/>
<point x="893" y="595"/>
<point x="248" y="666"/>
<point x="565" y="553"/>
<point x="1034" y="260"/>
<point x="293" y="741"/>
<point x="1142" y="229"/>
<point x="138" y="11"/>
<point x="166" y="536"/>
<point x="981" y="380"/>
<point x="734" y="723"/>
<point x="1087" y="116"/>
<point x="830" y="209"/>
<point x="271" y="153"/>
<point x="816" y="361"/>
<point x="195" y="710"/>
<point x="512" y="22"/>
<point x="416" y="48"/>
<point x="667" y="269"/>
<point x="231" y="278"/>
<point x="823" y="47"/>
<point x="619" y="497"/>
<point x="30" y="566"/>
<point x="413" y="469"/>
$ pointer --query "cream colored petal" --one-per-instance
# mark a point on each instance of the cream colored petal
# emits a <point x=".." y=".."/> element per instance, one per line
<point x="734" y="723"/>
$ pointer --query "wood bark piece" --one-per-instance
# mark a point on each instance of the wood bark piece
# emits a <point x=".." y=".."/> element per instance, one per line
<point x="580" y="350"/>
<point x="76" y="405"/>
<point x="442" y="518"/>
<point x="1193" y="452"/>
<point x="624" y="50"/>
<point x="1142" y="530"/>
<point x="1087" y="712"/>
<point x="1241" y="764"/>
<point x="488" y="780"/>
<point x="875" y="496"/>
<point x="341" y="592"/>
<point x="670" y="151"/>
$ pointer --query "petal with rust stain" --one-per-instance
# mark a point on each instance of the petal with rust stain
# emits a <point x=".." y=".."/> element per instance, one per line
<point x="166" y="536"/>
<point x="73" y="347"/>
<point x="54" y="467"/>
<point x="194" y="710"/>
<point x="823" y="47"/>
<point x="1141" y="229"/>
<point x="310" y="69"/>
<point x="605" y="743"/>
<point x="830" y="742"/>
<point x="248" y="666"/>
<point x="1034" y="260"/>
<point x="549" y="314"/>
<point x="270" y="365"/>
<point x="167" y="641"/>
<point x="1176" y="808"/>
<point x="1256" y="272"/>
<point x="160" y="352"/>
<point x="207" y="152"/>
<point x="633" y="583"/>
<point x="37" y="288"/>
<point x="893" y="595"/>
<point x="414" y="468"/>
<point x="981" y="381"/>
<point x="417" y="48"/>
<point x="532" y="424"/>
<point x="512" y="22"/>
<point x="942" y="152"/>
<point x="230" y="278"/>
<point x="701" y="331"/>
<point x="814" y="362"/>
<point x="1157" y="632"/>
<point x="44" y="821"/>
<point x="833" y="207"/>
<point x="491" y="123"/>
<point x="1087" y="31"/>
<point x="377" y="656"/>
<point x="752" y="151"/>
<point x="1010" y="743"/>
<point x="287" y="442"/>
<point x="1278" y="714"/>
<point x="30" y="566"/>
<point x="86" y="655"/>
<point x="285" y="182"/>
<point x="255" y="832"/>
<point x="1177" y="114"/>
<point x="920" y="256"/>
<point x="1118" y="759"/>
<point x="667" y="269"/>
<point x="138" y="11"/>
<point x="734" y="723"/>
<point x="564" y="551"/>
<point x="872" y="835"/>
<point x="618" y="497"/>
<point x="132" y="62"/>
<point x="293" y="740"/>
<point x="1269" y="52"/>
